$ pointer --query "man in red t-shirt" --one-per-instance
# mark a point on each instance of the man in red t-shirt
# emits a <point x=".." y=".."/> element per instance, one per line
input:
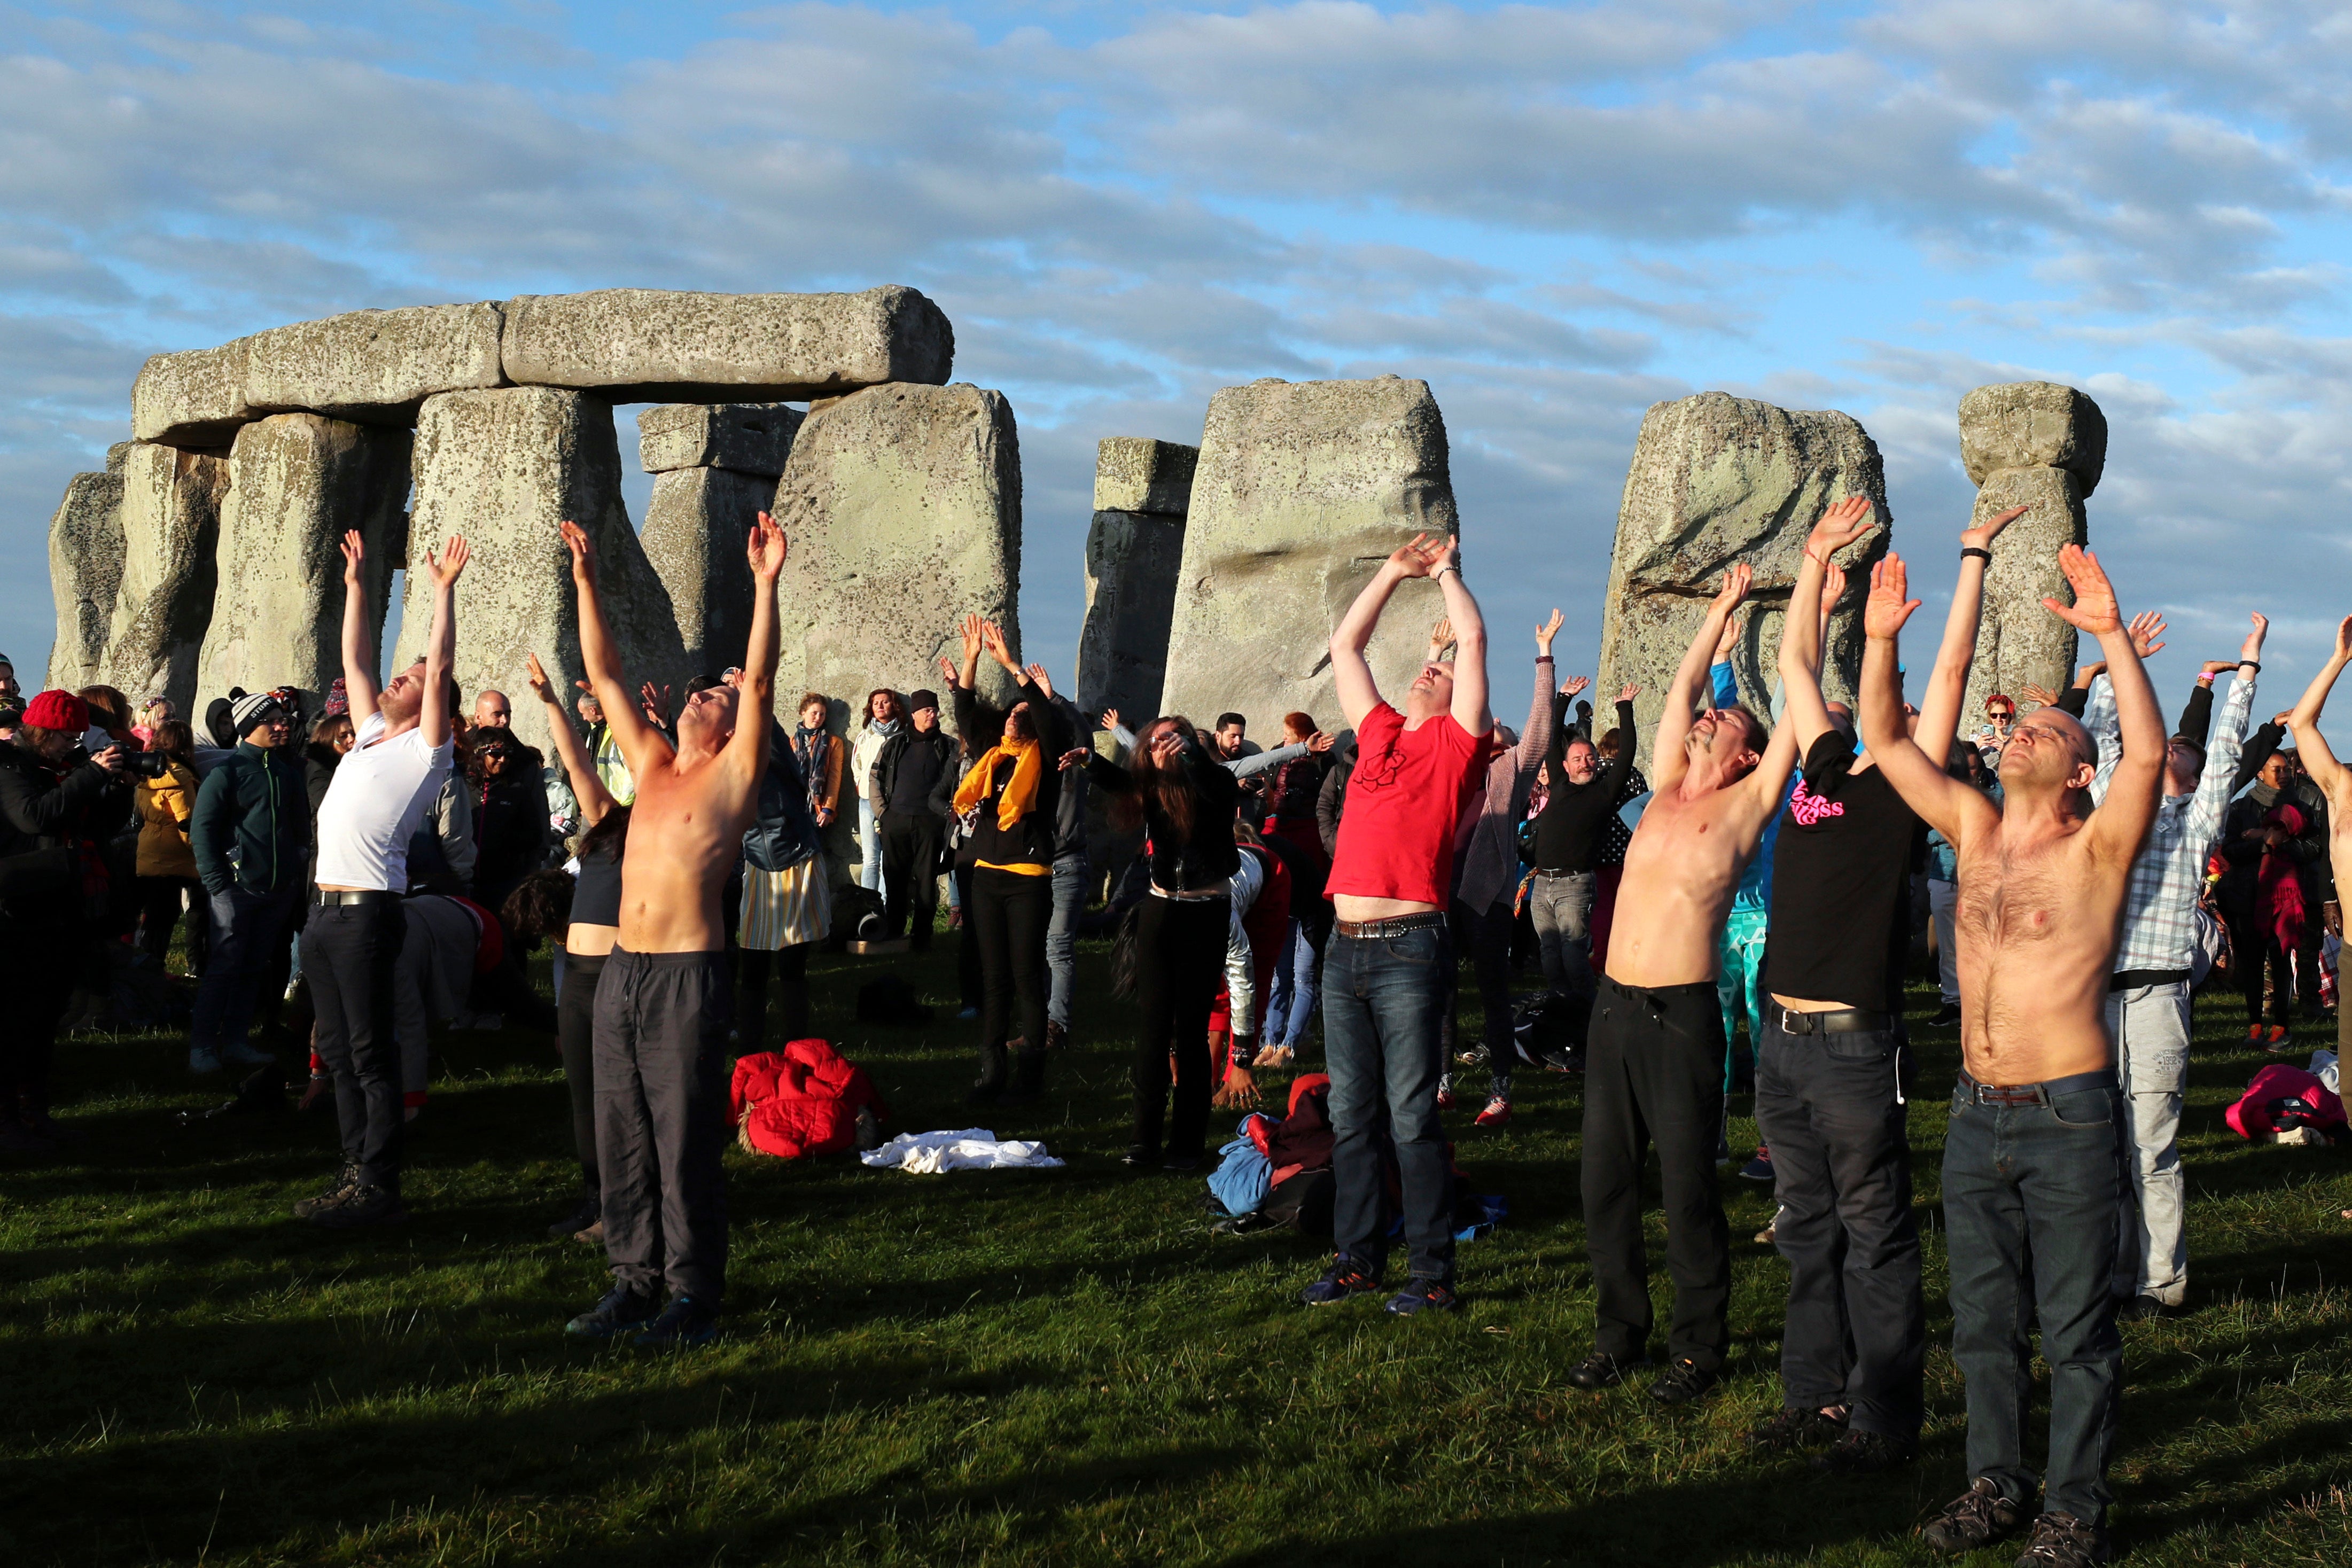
<point x="1391" y="871"/>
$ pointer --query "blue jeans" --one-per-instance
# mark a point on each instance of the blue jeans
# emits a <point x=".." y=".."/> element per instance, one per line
<point x="2031" y="1194"/>
<point x="247" y="927"/>
<point x="869" y="839"/>
<point x="1298" y="987"/>
<point x="1383" y="1000"/>
<point x="1062" y="937"/>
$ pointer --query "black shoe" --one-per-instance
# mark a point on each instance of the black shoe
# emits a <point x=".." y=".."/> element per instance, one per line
<point x="1028" y="1079"/>
<point x="1978" y="1517"/>
<point x="1343" y="1281"/>
<point x="621" y="1311"/>
<point x="364" y="1205"/>
<point x="1601" y="1370"/>
<point x="1176" y="1162"/>
<point x="1791" y="1429"/>
<point x="1682" y="1382"/>
<point x="2142" y="1308"/>
<point x="684" y="1324"/>
<point x="1425" y="1296"/>
<point x="583" y="1215"/>
<point x="1140" y="1155"/>
<point x="2062" y="1540"/>
<point x="1866" y="1454"/>
<point x="1950" y="1013"/>
<point x="335" y="1194"/>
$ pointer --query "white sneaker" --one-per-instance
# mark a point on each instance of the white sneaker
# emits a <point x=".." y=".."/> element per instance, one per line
<point x="203" y="1061"/>
<point x="238" y="1053"/>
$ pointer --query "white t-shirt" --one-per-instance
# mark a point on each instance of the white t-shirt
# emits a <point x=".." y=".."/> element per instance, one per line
<point x="381" y="792"/>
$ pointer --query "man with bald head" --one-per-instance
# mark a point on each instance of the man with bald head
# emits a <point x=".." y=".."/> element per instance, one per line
<point x="492" y="711"/>
<point x="2032" y="1155"/>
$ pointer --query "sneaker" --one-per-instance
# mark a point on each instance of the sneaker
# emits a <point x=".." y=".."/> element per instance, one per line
<point x="621" y="1310"/>
<point x="1423" y="1296"/>
<point x="1978" y="1517"/>
<point x="1601" y="1370"/>
<point x="238" y="1053"/>
<point x="364" y="1205"/>
<point x="2275" y="1036"/>
<point x="1446" y="1096"/>
<point x="1792" y="1429"/>
<point x="1947" y="1015"/>
<point x="1497" y="1112"/>
<point x="1866" y="1454"/>
<point x="583" y="1215"/>
<point x="1683" y="1383"/>
<point x="2279" y="1045"/>
<point x="684" y="1324"/>
<point x="1760" y="1167"/>
<point x="1340" y="1281"/>
<point x="2062" y="1540"/>
<point x="203" y="1061"/>
<point x="340" y="1189"/>
<point x="2253" y="1034"/>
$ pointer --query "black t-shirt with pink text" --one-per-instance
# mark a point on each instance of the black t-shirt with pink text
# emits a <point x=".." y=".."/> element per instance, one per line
<point x="1840" y="885"/>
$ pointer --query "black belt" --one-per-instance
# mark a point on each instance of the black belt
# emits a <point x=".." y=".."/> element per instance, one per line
<point x="2133" y="979"/>
<point x="1844" y="1020"/>
<point x="1395" y="925"/>
<point x="337" y="897"/>
<point x="2031" y="1093"/>
<point x="1543" y="872"/>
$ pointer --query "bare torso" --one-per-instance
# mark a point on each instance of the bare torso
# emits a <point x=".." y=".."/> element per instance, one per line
<point x="584" y="941"/>
<point x="686" y="832"/>
<point x="2035" y="927"/>
<point x="1681" y="871"/>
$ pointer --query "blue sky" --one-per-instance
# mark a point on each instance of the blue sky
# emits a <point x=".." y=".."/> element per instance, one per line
<point x="1555" y="214"/>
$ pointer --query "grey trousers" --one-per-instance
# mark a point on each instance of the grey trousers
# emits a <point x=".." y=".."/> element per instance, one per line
<point x="2150" y="1025"/>
<point x="661" y="1071"/>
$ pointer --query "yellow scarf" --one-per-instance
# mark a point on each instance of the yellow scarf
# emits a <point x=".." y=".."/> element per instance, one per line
<point x="1020" y="791"/>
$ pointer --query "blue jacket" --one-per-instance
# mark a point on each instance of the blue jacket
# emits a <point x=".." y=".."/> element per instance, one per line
<point x="783" y="833"/>
<point x="252" y="823"/>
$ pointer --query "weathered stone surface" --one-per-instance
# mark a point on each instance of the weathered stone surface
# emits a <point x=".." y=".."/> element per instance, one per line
<point x="171" y="520"/>
<point x="504" y="467"/>
<point x="1135" y="474"/>
<point x="2018" y="641"/>
<point x="195" y="400"/>
<point x="2032" y="424"/>
<point x="1303" y="489"/>
<point x="1717" y="480"/>
<point x="747" y="437"/>
<point x="372" y="367"/>
<point x="1133" y="561"/>
<point x="696" y="530"/>
<point x="297" y="481"/>
<point x="651" y="345"/>
<point x="85" y="572"/>
<point x="116" y="455"/>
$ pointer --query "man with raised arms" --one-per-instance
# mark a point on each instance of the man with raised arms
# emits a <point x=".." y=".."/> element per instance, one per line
<point x="1654" y="1061"/>
<point x="663" y="1004"/>
<point x="2335" y="780"/>
<point x="2032" y="1167"/>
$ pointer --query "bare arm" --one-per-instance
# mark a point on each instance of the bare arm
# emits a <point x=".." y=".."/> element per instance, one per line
<point x="1801" y="628"/>
<point x="1951" y="808"/>
<point x="643" y="747"/>
<point x="441" y="641"/>
<point x="1667" y="762"/>
<point x="1537" y="742"/>
<point x="587" y="787"/>
<point x="359" y="658"/>
<point x="1948" y="682"/>
<point x="2120" y="825"/>
<point x="1470" y="708"/>
<point x="1359" y="693"/>
<point x="2318" y="757"/>
<point x="747" y="749"/>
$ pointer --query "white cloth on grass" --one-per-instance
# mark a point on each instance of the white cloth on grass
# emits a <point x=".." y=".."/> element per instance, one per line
<point x="965" y="1149"/>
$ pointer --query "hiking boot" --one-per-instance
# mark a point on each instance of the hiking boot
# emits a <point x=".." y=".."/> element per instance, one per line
<point x="203" y="1061"/>
<point x="2062" y="1540"/>
<point x="1683" y="1381"/>
<point x="1497" y="1112"/>
<point x="621" y="1311"/>
<point x="238" y="1053"/>
<point x="1950" y="1013"/>
<point x="1601" y="1370"/>
<point x="583" y="1214"/>
<point x="1978" y="1517"/>
<point x="364" y="1205"/>
<point x="1792" y="1429"/>
<point x="1423" y="1296"/>
<point x="335" y="1192"/>
<point x="684" y="1324"/>
<point x="1760" y="1167"/>
<point x="1866" y="1454"/>
<point x="1340" y="1281"/>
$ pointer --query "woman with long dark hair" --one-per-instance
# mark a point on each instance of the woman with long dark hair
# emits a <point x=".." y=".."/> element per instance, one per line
<point x="1172" y="788"/>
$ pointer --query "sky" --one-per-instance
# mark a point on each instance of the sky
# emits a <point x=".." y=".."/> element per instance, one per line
<point x="1555" y="215"/>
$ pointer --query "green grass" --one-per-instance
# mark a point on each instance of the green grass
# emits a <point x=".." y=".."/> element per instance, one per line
<point x="1010" y="1368"/>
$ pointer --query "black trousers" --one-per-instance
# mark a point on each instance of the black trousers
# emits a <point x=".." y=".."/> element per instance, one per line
<point x="37" y="968"/>
<point x="910" y="864"/>
<point x="575" y="1034"/>
<point x="661" y="1119"/>
<point x="752" y="966"/>
<point x="1485" y="935"/>
<point x="1180" y="959"/>
<point x="349" y="955"/>
<point x="1653" y="1073"/>
<point x="968" y="978"/>
<point x="159" y="913"/>
<point x="1007" y="916"/>
<point x="1829" y="1108"/>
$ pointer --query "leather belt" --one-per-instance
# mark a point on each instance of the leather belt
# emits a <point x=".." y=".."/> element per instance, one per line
<point x="334" y="898"/>
<point x="1394" y="926"/>
<point x="2031" y="1093"/>
<point x="2133" y="979"/>
<point x="1844" y="1021"/>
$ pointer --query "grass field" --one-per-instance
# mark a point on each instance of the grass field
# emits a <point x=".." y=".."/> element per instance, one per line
<point x="1036" y="1367"/>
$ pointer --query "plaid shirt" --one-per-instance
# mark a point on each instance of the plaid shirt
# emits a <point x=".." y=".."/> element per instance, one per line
<point x="2160" y="912"/>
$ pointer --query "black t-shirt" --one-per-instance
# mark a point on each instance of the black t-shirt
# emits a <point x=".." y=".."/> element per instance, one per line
<point x="1840" y="885"/>
<point x="1573" y="832"/>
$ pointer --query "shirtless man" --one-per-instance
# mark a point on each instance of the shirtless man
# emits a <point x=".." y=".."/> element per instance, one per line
<point x="1655" y="1059"/>
<point x="2032" y="1167"/>
<point x="2335" y="782"/>
<point x="663" y="1003"/>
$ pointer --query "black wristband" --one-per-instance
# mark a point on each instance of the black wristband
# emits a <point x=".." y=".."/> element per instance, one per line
<point x="1978" y="551"/>
<point x="2253" y="664"/>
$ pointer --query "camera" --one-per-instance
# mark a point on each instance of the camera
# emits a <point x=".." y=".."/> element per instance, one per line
<point x="146" y="764"/>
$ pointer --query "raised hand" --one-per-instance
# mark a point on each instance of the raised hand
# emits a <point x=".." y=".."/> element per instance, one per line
<point x="655" y="703"/>
<point x="2343" y="639"/>
<point x="1111" y="719"/>
<point x="2094" y="609"/>
<point x="1843" y="523"/>
<point x="1544" y="633"/>
<point x="949" y="671"/>
<point x="2089" y="672"/>
<point x="540" y="686"/>
<point x="1074" y="757"/>
<point x="1725" y="643"/>
<point x="2146" y="628"/>
<point x="1735" y="587"/>
<point x="1422" y="554"/>
<point x="1981" y="538"/>
<point x="1440" y="635"/>
<point x="972" y="631"/>
<point x="992" y="637"/>
<point x="451" y="562"/>
<point x="354" y="551"/>
<point x="584" y="552"/>
<point x="1040" y="680"/>
<point x="767" y="549"/>
<point x="1627" y="692"/>
<point x="1832" y="587"/>
<point x="1889" y="606"/>
<point x="2040" y="696"/>
<point x="1575" y="684"/>
<point x="1319" y="742"/>
<point x="2218" y="666"/>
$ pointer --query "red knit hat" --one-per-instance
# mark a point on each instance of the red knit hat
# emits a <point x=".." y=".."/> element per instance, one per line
<point x="57" y="710"/>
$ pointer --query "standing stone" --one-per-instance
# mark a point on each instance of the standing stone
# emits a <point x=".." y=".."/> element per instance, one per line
<point x="297" y="481"/>
<point x="171" y="519"/>
<point x="652" y="345"/>
<point x="85" y="573"/>
<point x="695" y="529"/>
<point x="372" y="367"/>
<point x="1716" y="480"/>
<point x="1135" y="553"/>
<point x="1303" y="489"/>
<point x="193" y="399"/>
<point x="2035" y="444"/>
<point x="504" y="467"/>
<point x="746" y="437"/>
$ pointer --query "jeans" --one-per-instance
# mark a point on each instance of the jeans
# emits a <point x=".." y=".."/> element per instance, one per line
<point x="2030" y="1199"/>
<point x="246" y="930"/>
<point x="1062" y="937"/>
<point x="1943" y="897"/>
<point x="1830" y="1107"/>
<point x="351" y="956"/>
<point x="1384" y="1000"/>
<point x="869" y="844"/>
<point x="1298" y="987"/>
<point x="1561" y="908"/>
<point x="2150" y="1025"/>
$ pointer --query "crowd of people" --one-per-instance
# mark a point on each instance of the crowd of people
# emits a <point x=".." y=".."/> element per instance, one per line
<point x="348" y="878"/>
